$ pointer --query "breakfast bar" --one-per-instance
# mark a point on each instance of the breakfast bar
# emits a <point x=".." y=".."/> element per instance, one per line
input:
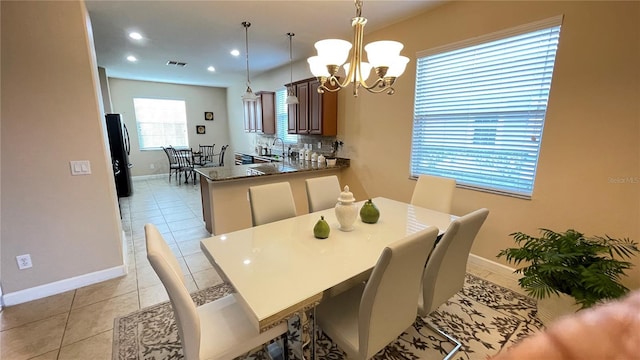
<point x="225" y="204"/>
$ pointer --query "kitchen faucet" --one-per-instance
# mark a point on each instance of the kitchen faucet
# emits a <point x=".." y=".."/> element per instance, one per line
<point x="284" y="154"/>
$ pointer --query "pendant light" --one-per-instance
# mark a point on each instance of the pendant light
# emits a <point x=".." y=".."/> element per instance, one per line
<point x="291" y="97"/>
<point x="248" y="95"/>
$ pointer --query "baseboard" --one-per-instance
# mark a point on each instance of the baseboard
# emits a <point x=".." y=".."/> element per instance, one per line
<point x="148" y="177"/>
<point x="58" y="287"/>
<point x="493" y="266"/>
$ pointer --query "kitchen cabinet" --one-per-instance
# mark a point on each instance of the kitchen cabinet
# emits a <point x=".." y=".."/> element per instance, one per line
<point x="260" y="115"/>
<point x="315" y="113"/>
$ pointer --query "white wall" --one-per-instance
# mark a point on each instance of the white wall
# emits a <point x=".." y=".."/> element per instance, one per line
<point x="51" y="114"/>
<point x="198" y="99"/>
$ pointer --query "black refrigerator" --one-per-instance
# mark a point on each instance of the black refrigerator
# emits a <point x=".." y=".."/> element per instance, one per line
<point x="120" y="147"/>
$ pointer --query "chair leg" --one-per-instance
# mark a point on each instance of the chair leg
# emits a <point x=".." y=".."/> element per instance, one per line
<point x="450" y="338"/>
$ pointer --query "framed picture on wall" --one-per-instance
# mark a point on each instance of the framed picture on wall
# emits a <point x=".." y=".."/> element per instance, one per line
<point x="200" y="129"/>
<point x="208" y="115"/>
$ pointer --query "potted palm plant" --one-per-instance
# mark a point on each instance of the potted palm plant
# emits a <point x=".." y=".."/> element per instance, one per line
<point x="587" y="269"/>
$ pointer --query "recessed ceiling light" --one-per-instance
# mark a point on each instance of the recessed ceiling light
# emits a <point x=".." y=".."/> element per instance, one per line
<point x="211" y="68"/>
<point x="132" y="58"/>
<point x="135" y="35"/>
<point x="235" y="52"/>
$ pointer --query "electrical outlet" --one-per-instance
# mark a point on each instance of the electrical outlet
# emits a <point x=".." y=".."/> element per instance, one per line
<point x="319" y="145"/>
<point x="152" y="166"/>
<point x="24" y="261"/>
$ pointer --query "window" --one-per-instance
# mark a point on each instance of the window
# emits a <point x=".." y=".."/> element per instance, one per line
<point x="161" y="122"/>
<point x="480" y="107"/>
<point x="282" y="118"/>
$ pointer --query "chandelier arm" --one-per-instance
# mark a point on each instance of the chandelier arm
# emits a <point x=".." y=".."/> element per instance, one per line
<point x="358" y="23"/>
<point x="388" y="89"/>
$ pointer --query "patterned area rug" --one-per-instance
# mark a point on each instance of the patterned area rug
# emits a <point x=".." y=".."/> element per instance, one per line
<point x="484" y="317"/>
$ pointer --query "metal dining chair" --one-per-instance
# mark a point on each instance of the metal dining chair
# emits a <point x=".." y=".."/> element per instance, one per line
<point x="217" y="330"/>
<point x="207" y="154"/>
<point x="172" y="156"/>
<point x="186" y="164"/>
<point x="223" y="150"/>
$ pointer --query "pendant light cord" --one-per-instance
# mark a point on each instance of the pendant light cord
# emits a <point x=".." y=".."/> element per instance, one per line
<point x="246" y="25"/>
<point x="291" y="35"/>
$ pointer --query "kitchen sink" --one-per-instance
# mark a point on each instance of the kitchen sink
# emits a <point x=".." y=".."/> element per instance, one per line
<point x="271" y="157"/>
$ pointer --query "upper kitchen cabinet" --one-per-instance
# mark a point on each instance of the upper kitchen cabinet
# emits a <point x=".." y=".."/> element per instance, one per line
<point x="315" y="113"/>
<point x="260" y="115"/>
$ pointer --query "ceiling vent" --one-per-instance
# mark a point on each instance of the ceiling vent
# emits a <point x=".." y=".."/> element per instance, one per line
<point x="176" y="63"/>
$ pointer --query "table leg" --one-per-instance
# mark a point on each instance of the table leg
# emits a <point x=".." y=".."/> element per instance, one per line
<point x="302" y="335"/>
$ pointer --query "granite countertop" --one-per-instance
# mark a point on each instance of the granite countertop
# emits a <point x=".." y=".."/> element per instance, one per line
<point x="234" y="172"/>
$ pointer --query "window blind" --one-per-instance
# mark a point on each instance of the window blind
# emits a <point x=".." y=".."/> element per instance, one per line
<point x="480" y="110"/>
<point x="283" y="118"/>
<point x="161" y="122"/>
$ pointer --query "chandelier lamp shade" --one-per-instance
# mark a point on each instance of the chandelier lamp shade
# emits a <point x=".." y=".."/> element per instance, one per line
<point x="291" y="97"/>
<point x="384" y="58"/>
<point x="248" y="95"/>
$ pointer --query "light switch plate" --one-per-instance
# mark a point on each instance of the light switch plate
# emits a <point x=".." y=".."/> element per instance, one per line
<point x="81" y="167"/>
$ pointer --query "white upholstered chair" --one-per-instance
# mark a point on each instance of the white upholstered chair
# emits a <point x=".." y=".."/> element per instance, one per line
<point x="322" y="192"/>
<point x="271" y="202"/>
<point x="217" y="330"/>
<point x="434" y="192"/>
<point x="444" y="274"/>
<point x="366" y="318"/>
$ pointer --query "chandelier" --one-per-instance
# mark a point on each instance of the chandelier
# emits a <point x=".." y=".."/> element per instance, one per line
<point x="248" y="95"/>
<point x="384" y="57"/>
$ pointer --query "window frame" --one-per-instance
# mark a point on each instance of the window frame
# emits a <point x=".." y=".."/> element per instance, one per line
<point x="477" y="135"/>
<point x="167" y="138"/>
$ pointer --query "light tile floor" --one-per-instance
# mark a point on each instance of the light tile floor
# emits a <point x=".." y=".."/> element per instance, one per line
<point x="78" y="324"/>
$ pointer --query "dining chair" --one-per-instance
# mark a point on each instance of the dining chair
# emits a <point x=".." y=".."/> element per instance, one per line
<point x="444" y="274"/>
<point x="434" y="192"/>
<point x="368" y="317"/>
<point x="271" y="202"/>
<point x="186" y="163"/>
<point x="174" y="167"/>
<point x="217" y="330"/>
<point x="206" y="154"/>
<point x="221" y="155"/>
<point x="322" y="192"/>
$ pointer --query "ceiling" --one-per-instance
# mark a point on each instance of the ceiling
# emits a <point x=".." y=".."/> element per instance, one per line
<point x="202" y="34"/>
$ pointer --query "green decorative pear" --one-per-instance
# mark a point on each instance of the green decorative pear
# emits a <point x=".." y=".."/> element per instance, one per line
<point x="369" y="213"/>
<point x="321" y="230"/>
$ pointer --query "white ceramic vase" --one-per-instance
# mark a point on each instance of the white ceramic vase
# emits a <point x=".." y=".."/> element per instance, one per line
<point x="346" y="210"/>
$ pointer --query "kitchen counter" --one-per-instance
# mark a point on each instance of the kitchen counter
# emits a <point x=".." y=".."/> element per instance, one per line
<point x="225" y="205"/>
<point x="236" y="172"/>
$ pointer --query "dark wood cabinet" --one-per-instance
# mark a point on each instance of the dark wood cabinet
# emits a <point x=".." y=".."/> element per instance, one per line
<point x="315" y="114"/>
<point x="260" y="115"/>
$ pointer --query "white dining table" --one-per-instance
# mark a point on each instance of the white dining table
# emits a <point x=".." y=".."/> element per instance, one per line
<point x="280" y="269"/>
